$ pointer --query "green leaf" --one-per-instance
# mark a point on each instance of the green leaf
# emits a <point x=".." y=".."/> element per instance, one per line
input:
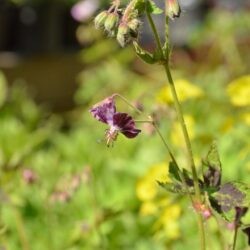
<point x="176" y="188"/>
<point x="246" y="231"/>
<point x="143" y="54"/>
<point x="174" y="171"/>
<point x="211" y="168"/>
<point x="213" y="158"/>
<point x="140" y="6"/>
<point x="152" y="8"/>
<point x="228" y="197"/>
<point x="3" y="88"/>
<point x="187" y="176"/>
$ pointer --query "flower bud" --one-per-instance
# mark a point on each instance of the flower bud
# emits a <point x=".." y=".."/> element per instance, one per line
<point x="100" y="19"/>
<point x="111" y="22"/>
<point x="134" y="25"/>
<point x="173" y="9"/>
<point x="203" y="210"/>
<point x="123" y="35"/>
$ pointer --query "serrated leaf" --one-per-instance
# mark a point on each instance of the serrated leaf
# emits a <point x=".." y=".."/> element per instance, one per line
<point x="153" y="8"/>
<point x="211" y="168"/>
<point x="143" y="54"/>
<point x="187" y="176"/>
<point x="239" y="213"/>
<point x="175" y="188"/>
<point x="174" y="171"/>
<point x="213" y="158"/>
<point x="230" y="196"/>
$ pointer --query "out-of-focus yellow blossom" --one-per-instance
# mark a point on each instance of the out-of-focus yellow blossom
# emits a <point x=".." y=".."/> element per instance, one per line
<point x="168" y="221"/>
<point x="157" y="205"/>
<point x="246" y="117"/>
<point x="239" y="91"/>
<point x="148" y="208"/>
<point x="146" y="188"/>
<point x="227" y="124"/>
<point x="176" y="132"/>
<point x="184" y="88"/>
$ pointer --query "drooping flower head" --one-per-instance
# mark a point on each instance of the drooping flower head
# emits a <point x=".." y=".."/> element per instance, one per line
<point x="105" y="111"/>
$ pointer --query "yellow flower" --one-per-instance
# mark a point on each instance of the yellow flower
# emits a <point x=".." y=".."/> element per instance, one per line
<point x="239" y="91"/>
<point x="172" y="230"/>
<point x="184" y="88"/>
<point x="146" y="188"/>
<point x="246" y="118"/>
<point x="170" y="213"/>
<point x="176" y="132"/>
<point x="148" y="208"/>
<point x="227" y="125"/>
<point x="168" y="221"/>
<point x="152" y="204"/>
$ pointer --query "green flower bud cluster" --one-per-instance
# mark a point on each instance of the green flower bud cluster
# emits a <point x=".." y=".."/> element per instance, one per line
<point x="124" y="28"/>
<point x="127" y="31"/>
<point x="108" y="21"/>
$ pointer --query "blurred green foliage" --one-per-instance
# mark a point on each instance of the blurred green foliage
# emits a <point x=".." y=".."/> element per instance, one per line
<point x="83" y="195"/>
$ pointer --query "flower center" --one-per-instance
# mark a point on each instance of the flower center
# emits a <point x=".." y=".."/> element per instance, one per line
<point x="111" y="135"/>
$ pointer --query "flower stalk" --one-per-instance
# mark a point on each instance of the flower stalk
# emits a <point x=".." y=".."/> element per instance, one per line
<point x="181" y="120"/>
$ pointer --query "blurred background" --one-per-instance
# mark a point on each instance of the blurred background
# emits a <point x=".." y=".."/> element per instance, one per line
<point x="60" y="186"/>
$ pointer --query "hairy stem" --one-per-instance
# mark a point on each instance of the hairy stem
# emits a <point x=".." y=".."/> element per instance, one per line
<point x="174" y="160"/>
<point x="128" y="10"/>
<point x="181" y="121"/>
<point x="156" y="35"/>
<point x="127" y="102"/>
<point x="184" y="131"/>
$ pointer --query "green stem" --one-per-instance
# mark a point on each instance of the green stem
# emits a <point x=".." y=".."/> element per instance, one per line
<point x="185" y="132"/>
<point x="235" y="237"/>
<point x="156" y="35"/>
<point x="128" y="10"/>
<point x="182" y="123"/>
<point x="174" y="160"/>
<point x="188" y="145"/>
<point x="151" y="121"/>
<point x="127" y="102"/>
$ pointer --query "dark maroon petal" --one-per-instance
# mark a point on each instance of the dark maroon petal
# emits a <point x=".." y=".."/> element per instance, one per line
<point x="126" y="125"/>
<point x="104" y="110"/>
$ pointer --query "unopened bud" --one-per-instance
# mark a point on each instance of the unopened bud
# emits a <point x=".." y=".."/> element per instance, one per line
<point x="111" y="22"/>
<point x="134" y="26"/>
<point x="203" y="210"/>
<point x="123" y="35"/>
<point x="100" y="19"/>
<point x="173" y="9"/>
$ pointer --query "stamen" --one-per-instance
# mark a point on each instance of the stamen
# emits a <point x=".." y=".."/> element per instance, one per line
<point x="111" y="136"/>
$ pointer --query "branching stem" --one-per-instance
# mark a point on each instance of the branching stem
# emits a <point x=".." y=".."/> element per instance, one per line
<point x="181" y="121"/>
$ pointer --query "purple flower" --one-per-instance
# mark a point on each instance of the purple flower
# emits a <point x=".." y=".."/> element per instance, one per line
<point x="105" y="112"/>
<point x="29" y="176"/>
